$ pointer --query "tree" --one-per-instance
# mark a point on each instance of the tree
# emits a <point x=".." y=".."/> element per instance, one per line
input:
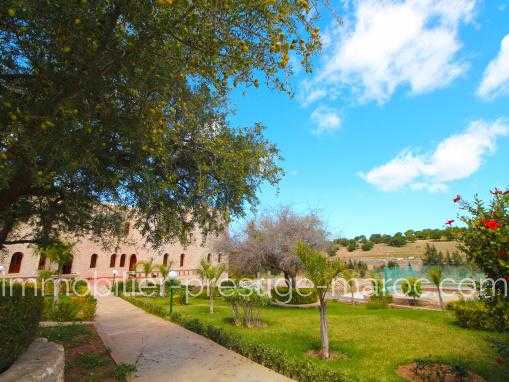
<point x="412" y="287"/>
<point x="320" y="270"/>
<point x="398" y="240"/>
<point x="211" y="274"/>
<point x="432" y="256"/>
<point x="435" y="275"/>
<point x="485" y="241"/>
<point x="268" y="243"/>
<point x="352" y="245"/>
<point x="376" y="238"/>
<point x="367" y="246"/>
<point x="350" y="277"/>
<point x="164" y="270"/>
<point x="147" y="267"/>
<point x="60" y="253"/>
<point x="140" y="90"/>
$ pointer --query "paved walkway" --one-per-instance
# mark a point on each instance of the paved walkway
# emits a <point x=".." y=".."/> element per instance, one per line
<point x="166" y="352"/>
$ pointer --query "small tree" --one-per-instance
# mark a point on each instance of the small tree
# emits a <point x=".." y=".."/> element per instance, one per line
<point x="320" y="270"/>
<point x="60" y="253"/>
<point x="432" y="256"/>
<point x="412" y="287"/>
<point x="164" y="270"/>
<point x="350" y="276"/>
<point x="435" y="275"/>
<point x="147" y="267"/>
<point x="367" y="245"/>
<point x="211" y="273"/>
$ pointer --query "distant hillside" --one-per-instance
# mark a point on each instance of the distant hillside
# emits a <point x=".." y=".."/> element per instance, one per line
<point x="415" y="249"/>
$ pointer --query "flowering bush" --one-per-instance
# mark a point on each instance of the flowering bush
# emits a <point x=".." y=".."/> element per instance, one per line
<point x="486" y="239"/>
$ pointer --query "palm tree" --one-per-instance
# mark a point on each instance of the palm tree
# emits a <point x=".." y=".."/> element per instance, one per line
<point x="147" y="267"/>
<point x="211" y="273"/>
<point x="435" y="274"/>
<point x="59" y="253"/>
<point x="164" y="270"/>
<point x="321" y="270"/>
<point x="350" y="277"/>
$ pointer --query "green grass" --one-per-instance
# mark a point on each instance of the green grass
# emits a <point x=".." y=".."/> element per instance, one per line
<point x="373" y="342"/>
<point x="66" y="333"/>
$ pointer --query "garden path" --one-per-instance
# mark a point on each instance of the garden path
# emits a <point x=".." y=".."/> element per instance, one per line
<point x="164" y="351"/>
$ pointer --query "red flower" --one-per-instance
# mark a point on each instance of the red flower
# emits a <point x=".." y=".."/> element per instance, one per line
<point x="502" y="253"/>
<point x="456" y="199"/>
<point x="491" y="224"/>
<point x="449" y="222"/>
<point x="499" y="360"/>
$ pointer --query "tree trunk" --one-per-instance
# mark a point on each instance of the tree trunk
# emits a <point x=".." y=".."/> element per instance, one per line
<point x="56" y="286"/>
<point x="324" y="328"/>
<point x="211" y="302"/>
<point x="290" y="280"/>
<point x="440" y="298"/>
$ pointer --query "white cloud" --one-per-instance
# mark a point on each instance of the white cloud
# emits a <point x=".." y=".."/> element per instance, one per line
<point x="454" y="158"/>
<point x="495" y="81"/>
<point x="392" y="43"/>
<point x="326" y="119"/>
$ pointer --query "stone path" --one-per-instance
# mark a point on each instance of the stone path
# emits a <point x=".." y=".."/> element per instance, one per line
<point x="167" y="352"/>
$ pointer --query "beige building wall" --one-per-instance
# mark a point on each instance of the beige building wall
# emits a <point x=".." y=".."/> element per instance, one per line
<point x="133" y="245"/>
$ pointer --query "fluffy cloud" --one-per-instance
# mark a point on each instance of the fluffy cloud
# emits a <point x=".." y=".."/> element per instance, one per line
<point x="391" y="43"/>
<point x="326" y="119"/>
<point x="495" y="80"/>
<point x="454" y="158"/>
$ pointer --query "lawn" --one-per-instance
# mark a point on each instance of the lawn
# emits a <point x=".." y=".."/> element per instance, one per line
<point x="371" y="343"/>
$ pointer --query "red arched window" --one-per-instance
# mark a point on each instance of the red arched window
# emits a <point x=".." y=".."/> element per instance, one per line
<point x="122" y="260"/>
<point x="219" y="258"/>
<point x="42" y="262"/>
<point x="182" y="256"/>
<point x="93" y="260"/>
<point x="113" y="260"/>
<point x="15" y="265"/>
<point x="209" y="257"/>
<point x="165" y="259"/>
<point x="132" y="262"/>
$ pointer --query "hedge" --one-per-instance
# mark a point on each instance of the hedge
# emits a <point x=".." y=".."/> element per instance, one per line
<point x="479" y="315"/>
<point x="301" y="296"/>
<point x="20" y="314"/>
<point x="275" y="359"/>
<point x="70" y="308"/>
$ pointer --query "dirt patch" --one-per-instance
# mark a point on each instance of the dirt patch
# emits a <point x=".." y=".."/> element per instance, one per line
<point x="431" y="372"/>
<point x="334" y="356"/>
<point x="86" y="357"/>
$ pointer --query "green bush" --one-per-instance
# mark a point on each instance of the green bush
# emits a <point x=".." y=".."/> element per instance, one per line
<point x="367" y="245"/>
<point x="294" y="296"/>
<point x="246" y="304"/>
<point x="70" y="308"/>
<point x="379" y="302"/>
<point x="275" y="359"/>
<point x="20" y="314"/>
<point x="478" y="315"/>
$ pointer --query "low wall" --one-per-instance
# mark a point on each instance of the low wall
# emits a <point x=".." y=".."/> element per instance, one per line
<point x="42" y="362"/>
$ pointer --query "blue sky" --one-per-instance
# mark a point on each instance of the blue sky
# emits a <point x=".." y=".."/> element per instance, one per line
<point x="408" y="105"/>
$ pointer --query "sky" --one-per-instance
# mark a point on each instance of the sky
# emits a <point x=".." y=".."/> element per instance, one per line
<point x="407" y="106"/>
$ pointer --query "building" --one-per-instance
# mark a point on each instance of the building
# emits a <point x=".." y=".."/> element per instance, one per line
<point x="92" y="261"/>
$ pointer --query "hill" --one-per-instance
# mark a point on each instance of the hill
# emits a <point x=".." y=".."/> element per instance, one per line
<point x="411" y="249"/>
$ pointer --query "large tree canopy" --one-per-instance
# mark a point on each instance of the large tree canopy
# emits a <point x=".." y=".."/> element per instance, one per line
<point x="117" y="109"/>
<point x="268" y="243"/>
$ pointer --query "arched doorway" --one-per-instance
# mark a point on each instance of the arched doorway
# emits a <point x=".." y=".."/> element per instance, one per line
<point x="209" y="257"/>
<point x="182" y="257"/>
<point x="67" y="268"/>
<point x="122" y="260"/>
<point x="132" y="263"/>
<point x="15" y="265"/>
<point x="93" y="260"/>
<point x="165" y="259"/>
<point x="42" y="263"/>
<point x="113" y="260"/>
